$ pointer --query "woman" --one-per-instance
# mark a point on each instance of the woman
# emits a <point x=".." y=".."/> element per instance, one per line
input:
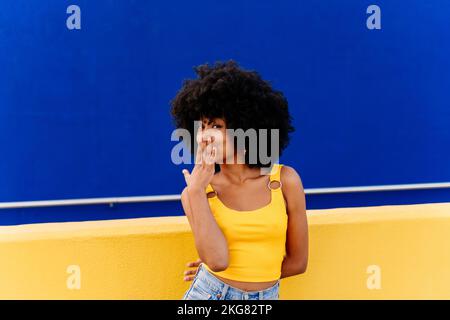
<point x="250" y="229"/>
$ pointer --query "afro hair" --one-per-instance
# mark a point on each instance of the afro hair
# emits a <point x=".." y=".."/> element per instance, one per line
<point x="241" y="97"/>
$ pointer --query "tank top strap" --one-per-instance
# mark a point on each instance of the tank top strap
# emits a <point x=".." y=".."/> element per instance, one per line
<point x="275" y="174"/>
<point x="209" y="188"/>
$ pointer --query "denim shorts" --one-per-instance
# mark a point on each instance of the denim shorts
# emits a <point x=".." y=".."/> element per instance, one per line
<point x="206" y="286"/>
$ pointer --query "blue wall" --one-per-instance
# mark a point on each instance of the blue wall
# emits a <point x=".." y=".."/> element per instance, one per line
<point x="85" y="113"/>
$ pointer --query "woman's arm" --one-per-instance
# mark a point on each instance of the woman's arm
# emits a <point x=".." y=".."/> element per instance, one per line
<point x="210" y="242"/>
<point x="296" y="259"/>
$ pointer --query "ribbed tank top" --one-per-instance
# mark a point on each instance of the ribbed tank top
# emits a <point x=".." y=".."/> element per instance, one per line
<point x="256" y="238"/>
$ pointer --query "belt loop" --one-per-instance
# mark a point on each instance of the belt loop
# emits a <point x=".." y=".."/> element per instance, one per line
<point x="224" y="291"/>
<point x="261" y="295"/>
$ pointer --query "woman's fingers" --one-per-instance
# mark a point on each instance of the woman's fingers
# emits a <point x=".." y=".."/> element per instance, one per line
<point x="204" y="150"/>
<point x="186" y="175"/>
<point x="189" y="278"/>
<point x="212" y="156"/>
<point x="189" y="275"/>
<point x="209" y="153"/>
<point x="198" y="156"/>
<point x="201" y="147"/>
<point x="189" y="272"/>
<point x="194" y="263"/>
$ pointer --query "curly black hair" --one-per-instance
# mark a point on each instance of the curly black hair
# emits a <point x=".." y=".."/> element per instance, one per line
<point x="240" y="97"/>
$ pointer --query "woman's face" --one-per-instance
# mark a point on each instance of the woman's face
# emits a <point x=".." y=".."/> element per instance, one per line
<point x="215" y="129"/>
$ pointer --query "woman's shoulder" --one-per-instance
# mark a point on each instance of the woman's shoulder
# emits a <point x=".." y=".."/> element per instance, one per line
<point x="289" y="177"/>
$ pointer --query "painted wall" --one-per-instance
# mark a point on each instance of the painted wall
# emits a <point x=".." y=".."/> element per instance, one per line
<point x="85" y="112"/>
<point x="384" y="252"/>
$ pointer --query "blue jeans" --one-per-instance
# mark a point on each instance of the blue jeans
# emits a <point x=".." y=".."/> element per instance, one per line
<point x="206" y="286"/>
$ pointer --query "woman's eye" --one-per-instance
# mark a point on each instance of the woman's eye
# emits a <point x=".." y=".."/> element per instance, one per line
<point x="214" y="126"/>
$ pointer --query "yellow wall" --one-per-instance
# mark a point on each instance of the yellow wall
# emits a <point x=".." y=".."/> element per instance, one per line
<point x="145" y="258"/>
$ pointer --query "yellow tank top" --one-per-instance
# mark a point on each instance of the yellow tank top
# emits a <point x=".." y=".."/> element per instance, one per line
<point x="256" y="238"/>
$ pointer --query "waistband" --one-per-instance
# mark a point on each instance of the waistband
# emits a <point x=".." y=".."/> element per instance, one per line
<point x="219" y="286"/>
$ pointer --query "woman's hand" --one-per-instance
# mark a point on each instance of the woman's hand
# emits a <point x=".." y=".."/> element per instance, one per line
<point x="204" y="165"/>
<point x="189" y="274"/>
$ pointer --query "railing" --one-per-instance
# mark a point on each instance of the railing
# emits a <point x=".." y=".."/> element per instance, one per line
<point x="175" y="197"/>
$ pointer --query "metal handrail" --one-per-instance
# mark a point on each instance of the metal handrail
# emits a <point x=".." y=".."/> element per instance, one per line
<point x="175" y="197"/>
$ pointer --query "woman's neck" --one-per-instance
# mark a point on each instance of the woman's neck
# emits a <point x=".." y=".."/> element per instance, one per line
<point x="238" y="173"/>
